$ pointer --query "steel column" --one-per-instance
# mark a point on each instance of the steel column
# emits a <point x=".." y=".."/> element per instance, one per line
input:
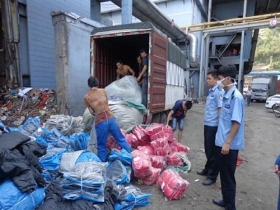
<point x="241" y="62"/>
<point x="126" y="11"/>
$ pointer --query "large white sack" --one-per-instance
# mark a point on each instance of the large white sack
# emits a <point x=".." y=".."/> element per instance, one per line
<point x="126" y="116"/>
<point x="126" y="88"/>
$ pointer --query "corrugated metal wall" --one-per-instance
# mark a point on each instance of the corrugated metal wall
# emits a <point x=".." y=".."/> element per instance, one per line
<point x="41" y="37"/>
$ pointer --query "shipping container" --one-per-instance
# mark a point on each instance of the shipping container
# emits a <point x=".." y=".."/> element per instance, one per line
<point x="165" y="69"/>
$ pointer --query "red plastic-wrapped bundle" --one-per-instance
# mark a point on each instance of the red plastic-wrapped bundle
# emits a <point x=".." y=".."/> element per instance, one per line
<point x="142" y="166"/>
<point x="160" y="147"/>
<point x="158" y="162"/>
<point x="157" y="135"/>
<point x="132" y="140"/>
<point x="178" y="147"/>
<point x="153" y="178"/>
<point x="154" y="128"/>
<point x="172" y="185"/>
<point x="142" y="136"/>
<point x="169" y="133"/>
<point x="111" y="143"/>
<point x="148" y="149"/>
<point x="174" y="159"/>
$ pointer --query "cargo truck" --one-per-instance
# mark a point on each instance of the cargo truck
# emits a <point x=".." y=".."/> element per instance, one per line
<point x="167" y="63"/>
<point x="263" y="86"/>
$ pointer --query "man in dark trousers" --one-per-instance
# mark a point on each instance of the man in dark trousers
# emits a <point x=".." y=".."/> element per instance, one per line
<point x="230" y="135"/>
<point x="211" y="119"/>
<point x="178" y="114"/>
<point x="144" y="76"/>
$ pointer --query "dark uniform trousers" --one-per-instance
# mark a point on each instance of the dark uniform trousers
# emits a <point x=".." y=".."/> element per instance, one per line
<point x="227" y="165"/>
<point x="211" y="166"/>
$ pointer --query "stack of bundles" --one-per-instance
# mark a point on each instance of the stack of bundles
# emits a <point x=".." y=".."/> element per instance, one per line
<point x="172" y="185"/>
<point x="119" y="169"/>
<point x="85" y="180"/>
<point x="179" y="159"/>
<point x="67" y="125"/>
<point x="131" y="197"/>
<point x="143" y="168"/>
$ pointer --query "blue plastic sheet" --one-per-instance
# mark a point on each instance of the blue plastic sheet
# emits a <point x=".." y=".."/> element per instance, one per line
<point x="30" y="126"/>
<point x="131" y="197"/>
<point x="79" y="141"/>
<point x="88" y="157"/>
<point x="118" y="173"/>
<point x="124" y="156"/>
<point x="55" y="138"/>
<point x="51" y="160"/>
<point x="13" y="199"/>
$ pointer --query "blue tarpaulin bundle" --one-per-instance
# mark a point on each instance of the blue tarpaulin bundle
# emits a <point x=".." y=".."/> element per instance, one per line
<point x="79" y="141"/>
<point x="131" y="197"/>
<point x="118" y="172"/>
<point x="124" y="156"/>
<point x="13" y="199"/>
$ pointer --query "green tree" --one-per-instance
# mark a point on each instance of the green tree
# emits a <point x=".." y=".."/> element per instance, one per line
<point x="268" y="45"/>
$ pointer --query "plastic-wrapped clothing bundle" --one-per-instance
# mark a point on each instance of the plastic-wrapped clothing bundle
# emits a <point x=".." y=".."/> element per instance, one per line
<point x="158" y="162"/>
<point x="118" y="173"/>
<point x="142" y="166"/>
<point x="178" y="147"/>
<point x="126" y="115"/>
<point x="67" y="125"/>
<point x="131" y="197"/>
<point x="85" y="181"/>
<point x="88" y="120"/>
<point x="124" y="156"/>
<point x="132" y="140"/>
<point x="156" y="131"/>
<point x="153" y="178"/>
<point x="148" y="149"/>
<point x="160" y="146"/>
<point x="30" y="126"/>
<point x="154" y="128"/>
<point x="51" y="160"/>
<point x="172" y="185"/>
<point x="174" y="159"/>
<point x="79" y="141"/>
<point x="54" y="138"/>
<point x="13" y="199"/>
<point x="141" y="135"/>
<point x="126" y="88"/>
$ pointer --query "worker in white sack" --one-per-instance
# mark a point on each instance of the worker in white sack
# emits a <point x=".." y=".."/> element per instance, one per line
<point x="97" y="102"/>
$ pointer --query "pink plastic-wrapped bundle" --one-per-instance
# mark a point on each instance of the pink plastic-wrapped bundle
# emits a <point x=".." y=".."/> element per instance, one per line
<point x="160" y="146"/>
<point x="142" y="136"/>
<point x="172" y="185"/>
<point x="158" y="162"/>
<point x="148" y="149"/>
<point x="178" y="147"/>
<point x="169" y="133"/>
<point x="132" y="140"/>
<point x="153" y="178"/>
<point x="154" y="128"/>
<point x="111" y="144"/>
<point x="142" y="166"/>
<point x="174" y="159"/>
<point x="137" y="153"/>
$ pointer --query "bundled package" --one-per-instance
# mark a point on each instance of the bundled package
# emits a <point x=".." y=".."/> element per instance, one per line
<point x="142" y="166"/>
<point x="172" y="185"/>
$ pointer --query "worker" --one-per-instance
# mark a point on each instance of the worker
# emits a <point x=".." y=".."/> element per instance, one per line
<point x="97" y="102"/>
<point x="178" y="114"/>
<point x="123" y="70"/>
<point x="143" y="76"/>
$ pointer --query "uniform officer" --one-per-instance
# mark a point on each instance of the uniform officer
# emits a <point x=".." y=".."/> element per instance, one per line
<point x="230" y="135"/>
<point x="211" y="119"/>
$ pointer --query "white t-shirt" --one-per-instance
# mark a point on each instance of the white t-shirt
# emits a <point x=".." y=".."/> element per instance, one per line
<point x="249" y="92"/>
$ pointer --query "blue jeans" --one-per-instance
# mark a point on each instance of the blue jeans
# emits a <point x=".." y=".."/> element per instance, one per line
<point x="181" y="123"/>
<point x="248" y="100"/>
<point x="102" y="131"/>
<point x="144" y="90"/>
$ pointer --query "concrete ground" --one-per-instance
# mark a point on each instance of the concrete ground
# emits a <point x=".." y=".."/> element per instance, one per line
<point x="257" y="185"/>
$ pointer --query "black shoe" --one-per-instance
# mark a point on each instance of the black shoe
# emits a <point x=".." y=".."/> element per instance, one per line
<point x="218" y="202"/>
<point x="202" y="173"/>
<point x="208" y="182"/>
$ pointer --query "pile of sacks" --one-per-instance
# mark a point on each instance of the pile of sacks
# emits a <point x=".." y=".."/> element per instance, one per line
<point x="156" y="154"/>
